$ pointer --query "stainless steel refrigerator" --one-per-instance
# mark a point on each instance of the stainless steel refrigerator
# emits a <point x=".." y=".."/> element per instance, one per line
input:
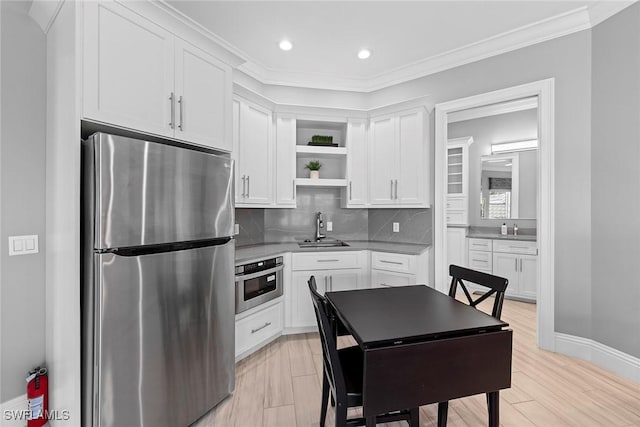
<point x="158" y="286"/>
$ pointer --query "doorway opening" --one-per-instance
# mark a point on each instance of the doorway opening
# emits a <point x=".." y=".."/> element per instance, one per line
<point x="506" y="178"/>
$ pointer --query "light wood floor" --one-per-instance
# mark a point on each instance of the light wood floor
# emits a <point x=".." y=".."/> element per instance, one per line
<point x="280" y="386"/>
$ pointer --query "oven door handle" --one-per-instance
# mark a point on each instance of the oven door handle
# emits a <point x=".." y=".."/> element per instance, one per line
<point x="241" y="277"/>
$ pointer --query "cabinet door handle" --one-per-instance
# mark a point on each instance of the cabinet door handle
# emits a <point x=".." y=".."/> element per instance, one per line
<point x="396" y="189"/>
<point x="516" y="260"/>
<point x="248" y="188"/>
<point x="331" y="283"/>
<point x="326" y="286"/>
<point x="253" y="331"/>
<point x="520" y="265"/>
<point x="350" y="191"/>
<point x="243" y="185"/>
<point x="181" y="105"/>
<point x="172" y="123"/>
<point x="391" y="189"/>
<point x="390" y="262"/>
<point x="293" y="194"/>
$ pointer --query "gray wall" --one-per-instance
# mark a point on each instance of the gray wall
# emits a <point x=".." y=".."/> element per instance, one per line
<point x="22" y="168"/>
<point x="520" y="125"/>
<point x="615" y="203"/>
<point x="568" y="60"/>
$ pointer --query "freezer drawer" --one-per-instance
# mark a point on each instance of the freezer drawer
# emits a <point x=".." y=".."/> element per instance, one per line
<point x="146" y="193"/>
<point x="164" y="336"/>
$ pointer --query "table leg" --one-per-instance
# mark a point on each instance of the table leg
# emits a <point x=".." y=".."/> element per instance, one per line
<point x="443" y="409"/>
<point x="493" y="399"/>
<point x="371" y="421"/>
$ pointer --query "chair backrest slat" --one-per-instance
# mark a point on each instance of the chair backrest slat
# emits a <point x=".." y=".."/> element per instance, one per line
<point x="497" y="285"/>
<point x="329" y="347"/>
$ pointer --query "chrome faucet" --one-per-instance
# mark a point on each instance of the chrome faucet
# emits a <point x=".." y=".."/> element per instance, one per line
<point x="319" y="225"/>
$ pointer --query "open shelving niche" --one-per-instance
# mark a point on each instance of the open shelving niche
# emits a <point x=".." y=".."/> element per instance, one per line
<point x="334" y="159"/>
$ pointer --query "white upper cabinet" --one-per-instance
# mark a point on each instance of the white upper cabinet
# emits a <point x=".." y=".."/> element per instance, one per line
<point x="253" y="154"/>
<point x="399" y="160"/>
<point x="413" y="159"/>
<point x="128" y="69"/>
<point x="203" y="104"/>
<point x="356" y="191"/>
<point x="382" y="166"/>
<point x="139" y="76"/>
<point x="285" y="161"/>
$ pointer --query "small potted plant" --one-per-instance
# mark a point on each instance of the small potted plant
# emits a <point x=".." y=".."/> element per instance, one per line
<point x="314" y="169"/>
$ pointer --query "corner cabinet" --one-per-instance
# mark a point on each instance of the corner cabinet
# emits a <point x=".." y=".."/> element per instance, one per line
<point x="399" y="160"/>
<point x="140" y="76"/>
<point x="253" y="153"/>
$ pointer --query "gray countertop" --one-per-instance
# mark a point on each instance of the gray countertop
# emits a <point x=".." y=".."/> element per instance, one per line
<point x="498" y="236"/>
<point x="255" y="252"/>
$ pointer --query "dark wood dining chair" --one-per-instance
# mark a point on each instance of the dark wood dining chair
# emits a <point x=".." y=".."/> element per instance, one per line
<point x="495" y="285"/>
<point x="343" y="373"/>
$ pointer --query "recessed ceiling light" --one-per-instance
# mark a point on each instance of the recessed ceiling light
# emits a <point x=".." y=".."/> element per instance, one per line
<point x="285" y="45"/>
<point x="364" y="53"/>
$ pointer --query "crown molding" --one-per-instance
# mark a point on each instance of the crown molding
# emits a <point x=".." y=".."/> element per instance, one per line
<point x="44" y="12"/>
<point x="579" y="19"/>
<point x="537" y="32"/>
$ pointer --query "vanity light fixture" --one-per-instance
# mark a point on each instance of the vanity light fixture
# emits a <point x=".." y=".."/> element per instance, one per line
<point x="503" y="147"/>
<point x="364" y="53"/>
<point x="285" y="45"/>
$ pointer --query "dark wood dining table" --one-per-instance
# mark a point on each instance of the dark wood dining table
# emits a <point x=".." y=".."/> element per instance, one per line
<point x="422" y="346"/>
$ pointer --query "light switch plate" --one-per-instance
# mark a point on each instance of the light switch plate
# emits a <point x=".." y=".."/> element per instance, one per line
<point x="23" y="245"/>
<point x="236" y="229"/>
<point x="329" y="225"/>
<point x="396" y="227"/>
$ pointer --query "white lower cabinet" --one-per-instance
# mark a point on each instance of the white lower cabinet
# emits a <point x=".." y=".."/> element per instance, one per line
<point x="456" y="246"/>
<point x="333" y="271"/>
<point x="380" y="278"/>
<point x="391" y="269"/>
<point x="259" y="327"/>
<point x="520" y="270"/>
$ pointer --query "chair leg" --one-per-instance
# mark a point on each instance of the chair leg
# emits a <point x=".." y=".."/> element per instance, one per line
<point x="333" y="401"/>
<point x="326" y="390"/>
<point x="414" y="417"/>
<point x="493" y="400"/>
<point x="443" y="409"/>
<point x="371" y="421"/>
<point x="341" y="415"/>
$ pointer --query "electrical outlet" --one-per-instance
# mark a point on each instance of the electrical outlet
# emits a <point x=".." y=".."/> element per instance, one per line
<point x="236" y="229"/>
<point x="396" y="227"/>
<point x="329" y="225"/>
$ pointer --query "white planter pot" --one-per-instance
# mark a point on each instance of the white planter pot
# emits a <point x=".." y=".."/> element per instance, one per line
<point x="314" y="174"/>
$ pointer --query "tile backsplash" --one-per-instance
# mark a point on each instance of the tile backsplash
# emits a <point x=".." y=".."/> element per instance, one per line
<point x="415" y="225"/>
<point x="288" y="225"/>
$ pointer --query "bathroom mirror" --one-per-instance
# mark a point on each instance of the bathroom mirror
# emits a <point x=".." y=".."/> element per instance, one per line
<point x="499" y="187"/>
<point x="507" y="185"/>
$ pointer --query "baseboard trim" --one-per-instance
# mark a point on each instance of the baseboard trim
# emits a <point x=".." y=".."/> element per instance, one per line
<point x="602" y="355"/>
<point x="17" y="404"/>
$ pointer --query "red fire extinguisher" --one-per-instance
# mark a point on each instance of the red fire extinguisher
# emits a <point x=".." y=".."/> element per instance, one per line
<point x="38" y="397"/>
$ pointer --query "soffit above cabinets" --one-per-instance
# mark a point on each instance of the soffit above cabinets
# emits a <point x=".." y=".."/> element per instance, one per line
<point x="408" y="39"/>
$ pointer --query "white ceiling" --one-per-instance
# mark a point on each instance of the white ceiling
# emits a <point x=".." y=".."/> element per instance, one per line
<point x="326" y="35"/>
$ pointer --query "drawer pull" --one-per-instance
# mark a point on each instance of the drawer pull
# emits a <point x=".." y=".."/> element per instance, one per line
<point x="480" y="260"/>
<point x="253" y="331"/>
<point x="390" y="262"/>
<point x="519" y="247"/>
<point x="328" y="260"/>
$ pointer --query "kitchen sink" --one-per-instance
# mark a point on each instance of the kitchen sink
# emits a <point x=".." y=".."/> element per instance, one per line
<point x="329" y="244"/>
